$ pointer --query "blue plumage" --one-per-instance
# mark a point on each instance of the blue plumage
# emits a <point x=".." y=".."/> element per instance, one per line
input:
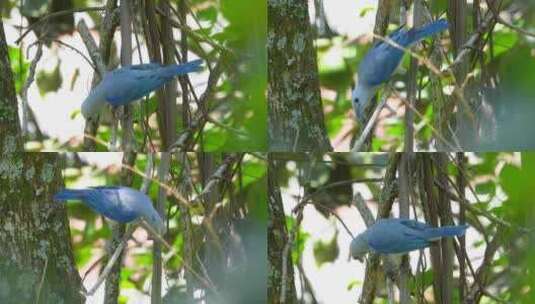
<point x="395" y="236"/>
<point x="124" y="85"/>
<point x="383" y="58"/>
<point x="121" y="204"/>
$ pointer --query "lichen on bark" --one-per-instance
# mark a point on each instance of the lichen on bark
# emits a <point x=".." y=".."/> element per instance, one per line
<point x="296" y="121"/>
<point x="37" y="259"/>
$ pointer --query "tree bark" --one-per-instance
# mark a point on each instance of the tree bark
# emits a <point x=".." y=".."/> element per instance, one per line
<point x="457" y="14"/>
<point x="36" y="260"/>
<point x="277" y="239"/>
<point x="430" y="210"/>
<point x="107" y="29"/>
<point x="444" y="210"/>
<point x="296" y="121"/>
<point x="10" y="134"/>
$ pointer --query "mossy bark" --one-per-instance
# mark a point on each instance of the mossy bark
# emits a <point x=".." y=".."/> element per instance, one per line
<point x="296" y="121"/>
<point x="277" y="239"/>
<point x="36" y="257"/>
<point x="10" y="135"/>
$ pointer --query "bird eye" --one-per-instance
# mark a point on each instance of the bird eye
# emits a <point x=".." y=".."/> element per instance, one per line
<point x="356" y="100"/>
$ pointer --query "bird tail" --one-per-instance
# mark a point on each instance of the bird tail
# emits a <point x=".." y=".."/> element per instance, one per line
<point x="417" y="34"/>
<point x="70" y="194"/>
<point x="181" y="69"/>
<point x="440" y="232"/>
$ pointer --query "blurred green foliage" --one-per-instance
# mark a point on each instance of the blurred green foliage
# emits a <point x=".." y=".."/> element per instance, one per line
<point x="49" y="81"/>
<point x="237" y="107"/>
<point x="19" y="67"/>
<point x="244" y="88"/>
<point x="499" y="186"/>
<point x="89" y="235"/>
<point x="326" y="251"/>
<point x="507" y="59"/>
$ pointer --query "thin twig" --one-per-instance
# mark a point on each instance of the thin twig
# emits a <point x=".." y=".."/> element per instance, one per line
<point x="218" y="175"/>
<point x="169" y="189"/>
<point x="371" y="122"/>
<point x="91" y="47"/>
<point x="364" y="211"/>
<point x="127" y="125"/>
<point x="77" y="51"/>
<point x="422" y="117"/>
<point x="163" y="173"/>
<point x="498" y="18"/>
<point x="148" y="173"/>
<point x="286" y="253"/>
<point x="26" y="86"/>
<point x="305" y="200"/>
<point x="205" y="281"/>
<point x="104" y="274"/>
<point x="40" y="286"/>
<point x="58" y="14"/>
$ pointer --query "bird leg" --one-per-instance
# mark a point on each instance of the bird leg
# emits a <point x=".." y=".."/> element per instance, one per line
<point x="115" y="256"/>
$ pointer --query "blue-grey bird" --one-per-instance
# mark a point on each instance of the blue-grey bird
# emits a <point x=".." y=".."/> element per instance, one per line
<point x="122" y="204"/>
<point x="399" y="236"/>
<point x="124" y="85"/>
<point x="383" y="58"/>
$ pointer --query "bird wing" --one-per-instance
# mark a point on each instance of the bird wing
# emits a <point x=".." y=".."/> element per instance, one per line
<point x="144" y="66"/>
<point x="107" y="201"/>
<point x="385" y="242"/>
<point x="397" y="236"/>
<point x="392" y="35"/>
<point x="128" y="84"/>
<point x="379" y="63"/>
<point x="412" y="224"/>
<point x="415" y="233"/>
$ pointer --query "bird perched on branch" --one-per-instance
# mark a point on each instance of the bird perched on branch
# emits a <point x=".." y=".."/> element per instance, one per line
<point x="124" y="85"/>
<point x="399" y="236"/>
<point x="121" y="204"/>
<point x="382" y="60"/>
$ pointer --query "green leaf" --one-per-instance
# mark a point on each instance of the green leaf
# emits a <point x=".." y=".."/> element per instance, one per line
<point x="504" y="40"/>
<point x="424" y="279"/>
<point x="253" y="172"/>
<point x="365" y="10"/>
<point x="208" y="14"/>
<point x="299" y="242"/>
<point x="517" y="68"/>
<point x="486" y="188"/>
<point x="19" y="67"/>
<point x="438" y="7"/>
<point x="353" y="284"/>
<point x="49" y="81"/>
<point x="325" y="252"/>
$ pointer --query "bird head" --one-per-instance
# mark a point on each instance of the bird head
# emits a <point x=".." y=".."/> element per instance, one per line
<point x="93" y="103"/>
<point x="359" y="247"/>
<point x="360" y="97"/>
<point x="154" y="220"/>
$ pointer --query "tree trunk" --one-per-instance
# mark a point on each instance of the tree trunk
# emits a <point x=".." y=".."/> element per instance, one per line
<point x="277" y="239"/>
<point x="10" y="135"/>
<point x="296" y="120"/>
<point x="36" y="260"/>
